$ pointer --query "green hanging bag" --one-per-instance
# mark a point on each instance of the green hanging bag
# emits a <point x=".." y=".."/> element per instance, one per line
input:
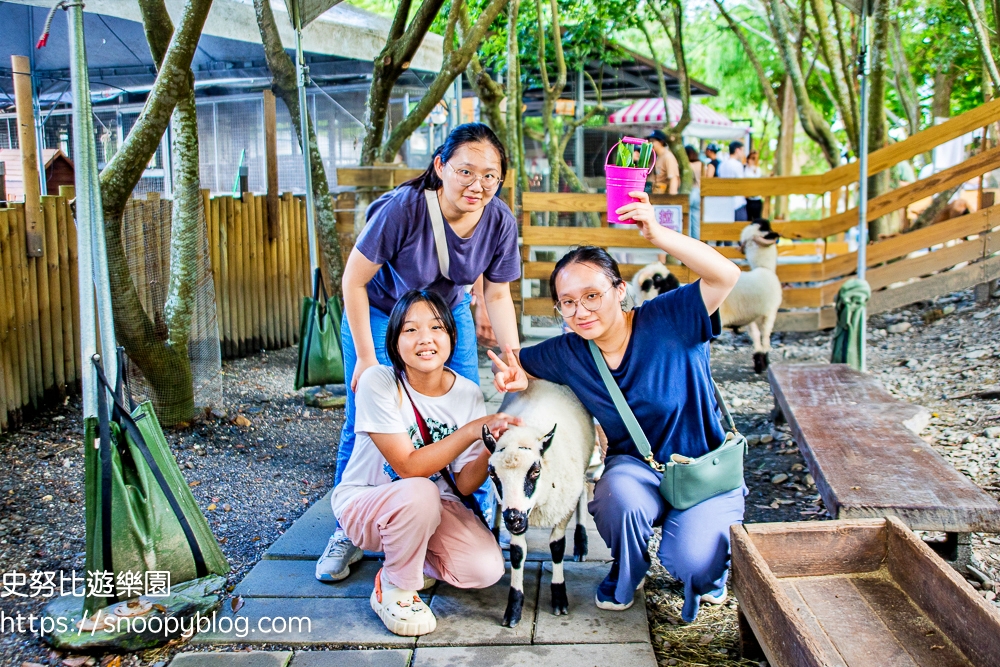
<point x="320" y="358"/>
<point x="140" y="515"/>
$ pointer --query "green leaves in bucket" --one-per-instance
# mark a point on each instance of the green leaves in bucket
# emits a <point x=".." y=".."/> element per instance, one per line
<point x="623" y="156"/>
<point x="645" y="155"/>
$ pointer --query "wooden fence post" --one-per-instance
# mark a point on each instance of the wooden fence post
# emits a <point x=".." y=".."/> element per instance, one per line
<point x="21" y="67"/>
<point x="271" y="164"/>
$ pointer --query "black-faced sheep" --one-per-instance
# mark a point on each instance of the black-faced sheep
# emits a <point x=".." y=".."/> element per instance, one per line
<point x="539" y="471"/>
<point x="651" y="281"/>
<point x="755" y="300"/>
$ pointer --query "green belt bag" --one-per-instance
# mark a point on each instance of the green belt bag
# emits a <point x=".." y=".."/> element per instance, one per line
<point x="685" y="482"/>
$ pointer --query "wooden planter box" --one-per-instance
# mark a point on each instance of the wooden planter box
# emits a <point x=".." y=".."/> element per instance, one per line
<point x="858" y="592"/>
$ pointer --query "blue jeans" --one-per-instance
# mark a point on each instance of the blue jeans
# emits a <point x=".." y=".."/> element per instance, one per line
<point x="694" y="548"/>
<point x="464" y="361"/>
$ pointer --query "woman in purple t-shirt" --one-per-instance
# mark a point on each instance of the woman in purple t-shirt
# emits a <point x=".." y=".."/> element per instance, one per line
<point x="396" y="252"/>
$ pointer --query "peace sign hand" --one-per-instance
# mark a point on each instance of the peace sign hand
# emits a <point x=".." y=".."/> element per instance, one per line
<point x="510" y="376"/>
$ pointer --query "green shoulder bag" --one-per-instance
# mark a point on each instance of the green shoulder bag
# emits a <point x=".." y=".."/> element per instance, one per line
<point x="320" y="358"/>
<point x="686" y="481"/>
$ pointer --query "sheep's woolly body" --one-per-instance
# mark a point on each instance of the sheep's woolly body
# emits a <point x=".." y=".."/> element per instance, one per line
<point x="756" y="295"/>
<point x="542" y="405"/>
<point x="756" y="298"/>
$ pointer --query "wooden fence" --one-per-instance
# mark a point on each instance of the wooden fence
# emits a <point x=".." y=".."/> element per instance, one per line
<point x="937" y="259"/>
<point x="260" y="272"/>
<point x="39" y="310"/>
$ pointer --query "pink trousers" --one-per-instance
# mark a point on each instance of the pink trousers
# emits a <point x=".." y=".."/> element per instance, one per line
<point x="422" y="533"/>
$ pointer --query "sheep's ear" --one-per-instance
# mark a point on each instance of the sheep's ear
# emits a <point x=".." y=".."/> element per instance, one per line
<point x="547" y="439"/>
<point x="488" y="440"/>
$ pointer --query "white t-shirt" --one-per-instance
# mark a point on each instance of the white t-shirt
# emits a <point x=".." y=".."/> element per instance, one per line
<point x="382" y="407"/>
<point x="732" y="168"/>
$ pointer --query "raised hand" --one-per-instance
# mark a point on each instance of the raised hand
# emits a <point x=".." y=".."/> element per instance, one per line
<point x="509" y="376"/>
<point x="642" y="214"/>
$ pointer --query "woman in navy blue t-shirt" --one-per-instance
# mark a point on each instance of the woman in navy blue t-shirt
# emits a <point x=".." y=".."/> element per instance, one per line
<point x="659" y="356"/>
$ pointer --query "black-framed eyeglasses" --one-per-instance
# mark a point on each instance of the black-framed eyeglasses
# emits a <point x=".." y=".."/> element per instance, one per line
<point x="465" y="178"/>
<point x="590" y="301"/>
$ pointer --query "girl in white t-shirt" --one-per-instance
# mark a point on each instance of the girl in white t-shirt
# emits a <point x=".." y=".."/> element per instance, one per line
<point x="393" y="496"/>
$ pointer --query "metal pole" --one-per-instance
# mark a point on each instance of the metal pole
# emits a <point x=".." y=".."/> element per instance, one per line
<point x="578" y="138"/>
<point x="863" y="165"/>
<point x="92" y="251"/>
<point x="303" y="75"/>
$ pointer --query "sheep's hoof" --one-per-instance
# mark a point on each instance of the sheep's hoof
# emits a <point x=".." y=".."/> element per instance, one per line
<point x="560" y="603"/>
<point x="515" y="603"/>
<point x="580" y="543"/>
<point x="759" y="362"/>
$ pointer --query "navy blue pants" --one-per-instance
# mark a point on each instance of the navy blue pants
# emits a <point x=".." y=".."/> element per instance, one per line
<point x="627" y="505"/>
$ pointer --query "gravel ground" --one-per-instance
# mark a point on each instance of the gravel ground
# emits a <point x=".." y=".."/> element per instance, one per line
<point x="263" y="458"/>
<point x="254" y="466"/>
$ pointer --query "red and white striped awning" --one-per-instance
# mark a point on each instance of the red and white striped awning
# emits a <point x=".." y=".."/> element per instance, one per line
<point x="705" y="123"/>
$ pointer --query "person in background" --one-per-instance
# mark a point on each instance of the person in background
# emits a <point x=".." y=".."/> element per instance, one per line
<point x="666" y="174"/>
<point x="733" y="168"/>
<point x="694" y="199"/>
<point x="755" y="205"/>
<point x="712" y="168"/>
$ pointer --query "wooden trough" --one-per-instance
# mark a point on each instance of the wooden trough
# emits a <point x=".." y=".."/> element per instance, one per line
<point x="856" y="592"/>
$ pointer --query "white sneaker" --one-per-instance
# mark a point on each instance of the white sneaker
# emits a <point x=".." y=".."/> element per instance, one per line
<point x="428" y="582"/>
<point x="403" y="612"/>
<point x="340" y="554"/>
<point x="718" y="598"/>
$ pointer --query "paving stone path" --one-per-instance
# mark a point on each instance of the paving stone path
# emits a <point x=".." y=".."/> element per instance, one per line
<point x="282" y="586"/>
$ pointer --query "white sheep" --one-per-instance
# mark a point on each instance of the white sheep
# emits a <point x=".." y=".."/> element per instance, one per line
<point x="651" y="281"/>
<point x="539" y="471"/>
<point x="755" y="300"/>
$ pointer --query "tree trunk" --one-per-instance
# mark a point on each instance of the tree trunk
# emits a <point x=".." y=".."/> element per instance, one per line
<point x="455" y="62"/>
<point x="400" y="47"/>
<point x="878" y="136"/>
<point x="784" y="162"/>
<point x="906" y="87"/>
<point x="977" y="14"/>
<point x="827" y="42"/>
<point x="489" y="92"/>
<point x="675" y="139"/>
<point x="762" y="78"/>
<point x="813" y="123"/>
<point x="515" y="131"/>
<point x="284" y="84"/>
<point x="166" y="367"/>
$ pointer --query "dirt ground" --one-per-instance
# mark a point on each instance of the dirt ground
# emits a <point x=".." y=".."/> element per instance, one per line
<point x="253" y="481"/>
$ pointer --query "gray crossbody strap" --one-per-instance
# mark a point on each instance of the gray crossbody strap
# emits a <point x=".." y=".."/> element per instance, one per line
<point x="625" y="412"/>
<point x="437" y="223"/>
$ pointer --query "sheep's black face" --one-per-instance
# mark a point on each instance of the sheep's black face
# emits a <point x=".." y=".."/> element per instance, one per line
<point x="516" y="521"/>
<point x="515" y="467"/>
<point x="531" y="479"/>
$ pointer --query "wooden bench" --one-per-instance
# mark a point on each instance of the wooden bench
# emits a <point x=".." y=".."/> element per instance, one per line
<point x="853" y="594"/>
<point x="868" y="464"/>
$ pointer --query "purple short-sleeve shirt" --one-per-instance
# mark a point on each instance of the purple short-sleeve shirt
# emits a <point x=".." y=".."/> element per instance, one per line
<point x="399" y="236"/>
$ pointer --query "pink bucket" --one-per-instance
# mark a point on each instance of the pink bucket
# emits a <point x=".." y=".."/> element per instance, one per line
<point x="623" y="180"/>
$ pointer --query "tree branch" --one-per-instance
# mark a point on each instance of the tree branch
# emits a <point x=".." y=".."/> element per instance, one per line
<point x="454" y="64"/>
<point x="392" y="61"/>
<point x="762" y="79"/>
<point x="841" y="98"/>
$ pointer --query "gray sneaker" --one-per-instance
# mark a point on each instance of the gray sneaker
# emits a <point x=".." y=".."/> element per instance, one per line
<point x="335" y="563"/>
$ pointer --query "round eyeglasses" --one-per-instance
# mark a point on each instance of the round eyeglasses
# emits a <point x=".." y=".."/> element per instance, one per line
<point x="590" y="301"/>
<point x="465" y="178"/>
